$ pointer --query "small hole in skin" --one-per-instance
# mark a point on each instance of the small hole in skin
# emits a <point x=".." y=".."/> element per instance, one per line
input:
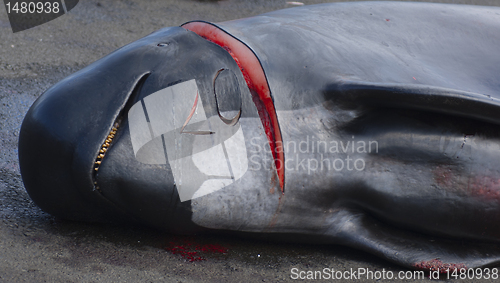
<point x="163" y="44"/>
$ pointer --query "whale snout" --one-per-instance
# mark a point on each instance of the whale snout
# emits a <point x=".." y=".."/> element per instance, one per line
<point x="64" y="130"/>
<point x="76" y="152"/>
<point x="58" y="143"/>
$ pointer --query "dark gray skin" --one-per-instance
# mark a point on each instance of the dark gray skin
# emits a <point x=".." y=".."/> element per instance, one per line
<point x="419" y="81"/>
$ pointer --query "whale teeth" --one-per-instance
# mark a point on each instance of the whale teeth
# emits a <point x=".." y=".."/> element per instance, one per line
<point x="102" y="151"/>
<point x="96" y="187"/>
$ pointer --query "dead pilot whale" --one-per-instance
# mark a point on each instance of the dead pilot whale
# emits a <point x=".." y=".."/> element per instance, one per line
<point x="370" y="124"/>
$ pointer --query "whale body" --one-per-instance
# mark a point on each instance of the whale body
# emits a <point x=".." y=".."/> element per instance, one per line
<point x="373" y="125"/>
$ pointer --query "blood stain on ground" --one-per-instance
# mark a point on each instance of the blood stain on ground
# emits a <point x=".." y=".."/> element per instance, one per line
<point x="192" y="251"/>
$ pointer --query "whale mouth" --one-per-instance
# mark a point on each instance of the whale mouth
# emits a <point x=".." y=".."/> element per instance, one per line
<point x="102" y="151"/>
<point x="57" y="146"/>
<point x="108" y="142"/>
<point x="256" y="81"/>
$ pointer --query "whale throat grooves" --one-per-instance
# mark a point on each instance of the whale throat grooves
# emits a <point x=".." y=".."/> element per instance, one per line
<point x="256" y="81"/>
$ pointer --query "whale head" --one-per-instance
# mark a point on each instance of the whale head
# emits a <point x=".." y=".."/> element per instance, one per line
<point x="139" y="133"/>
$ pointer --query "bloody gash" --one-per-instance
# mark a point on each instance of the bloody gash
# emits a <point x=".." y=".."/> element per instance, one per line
<point x="371" y="125"/>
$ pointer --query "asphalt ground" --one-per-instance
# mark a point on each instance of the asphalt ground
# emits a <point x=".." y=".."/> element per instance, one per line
<point x="36" y="247"/>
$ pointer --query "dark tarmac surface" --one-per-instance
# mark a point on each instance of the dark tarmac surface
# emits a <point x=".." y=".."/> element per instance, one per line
<point x="35" y="247"/>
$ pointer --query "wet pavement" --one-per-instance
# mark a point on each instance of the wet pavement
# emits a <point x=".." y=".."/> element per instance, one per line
<point x="35" y="247"/>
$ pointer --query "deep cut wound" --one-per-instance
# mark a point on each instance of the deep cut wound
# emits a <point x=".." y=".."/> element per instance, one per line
<point x="257" y="83"/>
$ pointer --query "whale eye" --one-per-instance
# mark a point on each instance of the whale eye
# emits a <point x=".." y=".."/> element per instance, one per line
<point x="162" y="44"/>
<point x="228" y="96"/>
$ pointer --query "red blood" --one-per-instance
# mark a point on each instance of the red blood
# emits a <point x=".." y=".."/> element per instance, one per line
<point x="485" y="187"/>
<point x="436" y="264"/>
<point x="192" y="251"/>
<point x="257" y="83"/>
